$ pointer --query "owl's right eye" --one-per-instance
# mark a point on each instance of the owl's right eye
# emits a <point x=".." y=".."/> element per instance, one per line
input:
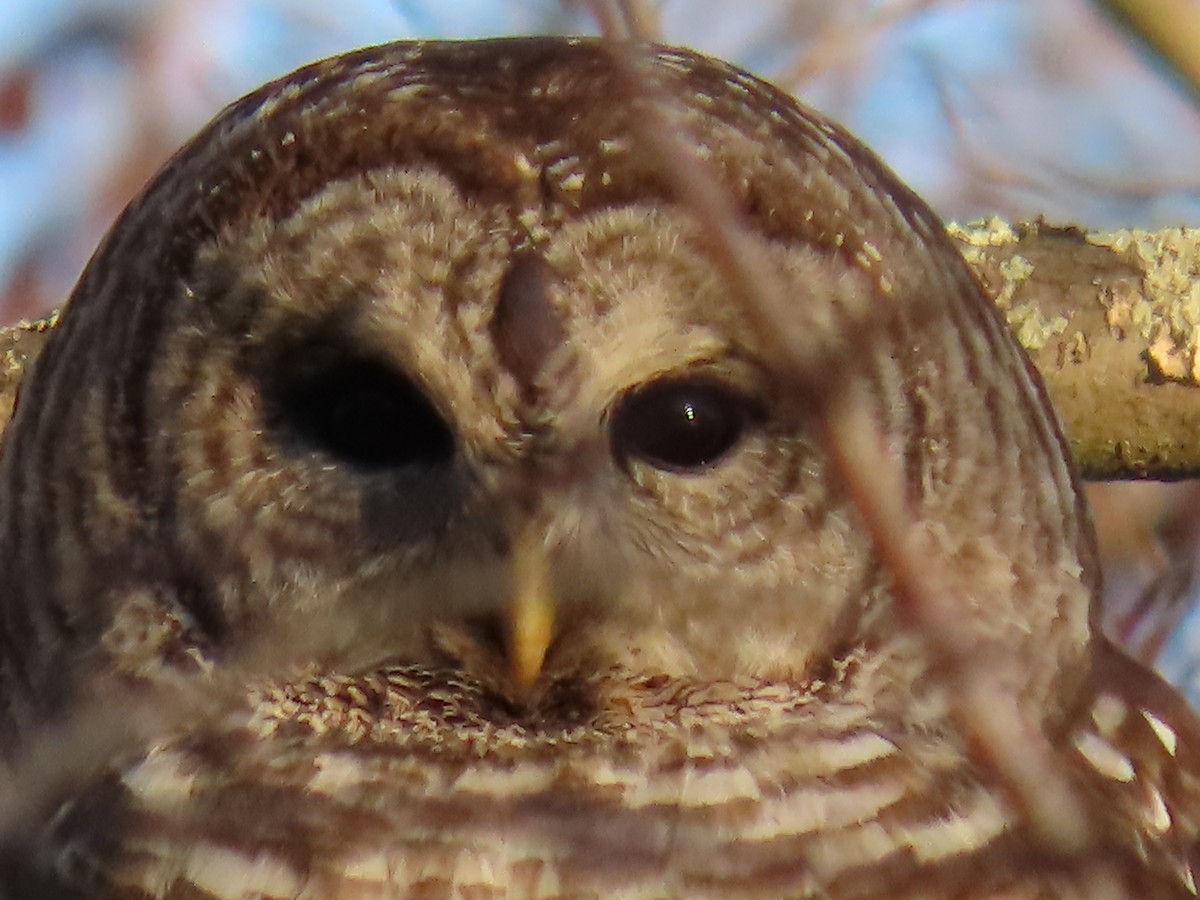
<point x="679" y="425"/>
<point x="366" y="414"/>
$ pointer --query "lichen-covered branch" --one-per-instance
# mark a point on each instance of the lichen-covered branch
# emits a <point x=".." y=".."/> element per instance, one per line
<point x="1113" y="322"/>
<point x="19" y="346"/>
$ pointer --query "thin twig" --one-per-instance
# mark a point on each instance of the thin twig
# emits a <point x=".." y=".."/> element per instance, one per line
<point x="1007" y="739"/>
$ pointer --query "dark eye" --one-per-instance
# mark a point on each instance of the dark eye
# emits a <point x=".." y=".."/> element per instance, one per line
<point x="678" y="425"/>
<point x="364" y="413"/>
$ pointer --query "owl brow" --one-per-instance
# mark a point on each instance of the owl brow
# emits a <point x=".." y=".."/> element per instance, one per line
<point x="525" y="324"/>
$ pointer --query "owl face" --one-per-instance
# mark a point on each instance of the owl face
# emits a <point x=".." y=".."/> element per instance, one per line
<point x="399" y="361"/>
<point x="373" y="406"/>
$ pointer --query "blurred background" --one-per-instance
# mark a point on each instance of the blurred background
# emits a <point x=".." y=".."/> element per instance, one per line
<point x="1024" y="108"/>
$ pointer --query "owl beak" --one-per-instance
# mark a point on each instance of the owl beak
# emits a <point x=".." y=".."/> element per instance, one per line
<point x="531" y="615"/>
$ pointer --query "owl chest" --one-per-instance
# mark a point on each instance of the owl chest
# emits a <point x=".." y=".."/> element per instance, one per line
<point x="506" y="814"/>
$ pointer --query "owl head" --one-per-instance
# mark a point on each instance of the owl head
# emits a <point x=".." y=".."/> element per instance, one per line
<point x="419" y="354"/>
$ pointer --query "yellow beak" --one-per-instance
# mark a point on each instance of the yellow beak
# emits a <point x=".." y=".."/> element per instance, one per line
<point x="531" y="615"/>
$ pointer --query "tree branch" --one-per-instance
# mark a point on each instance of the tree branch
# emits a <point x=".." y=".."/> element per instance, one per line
<point x="1113" y="323"/>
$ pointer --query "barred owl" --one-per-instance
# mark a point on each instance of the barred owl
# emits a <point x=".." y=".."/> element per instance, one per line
<point x="408" y="504"/>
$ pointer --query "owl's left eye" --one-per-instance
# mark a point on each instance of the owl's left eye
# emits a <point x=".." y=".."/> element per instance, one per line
<point x="365" y="414"/>
<point x="679" y="425"/>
